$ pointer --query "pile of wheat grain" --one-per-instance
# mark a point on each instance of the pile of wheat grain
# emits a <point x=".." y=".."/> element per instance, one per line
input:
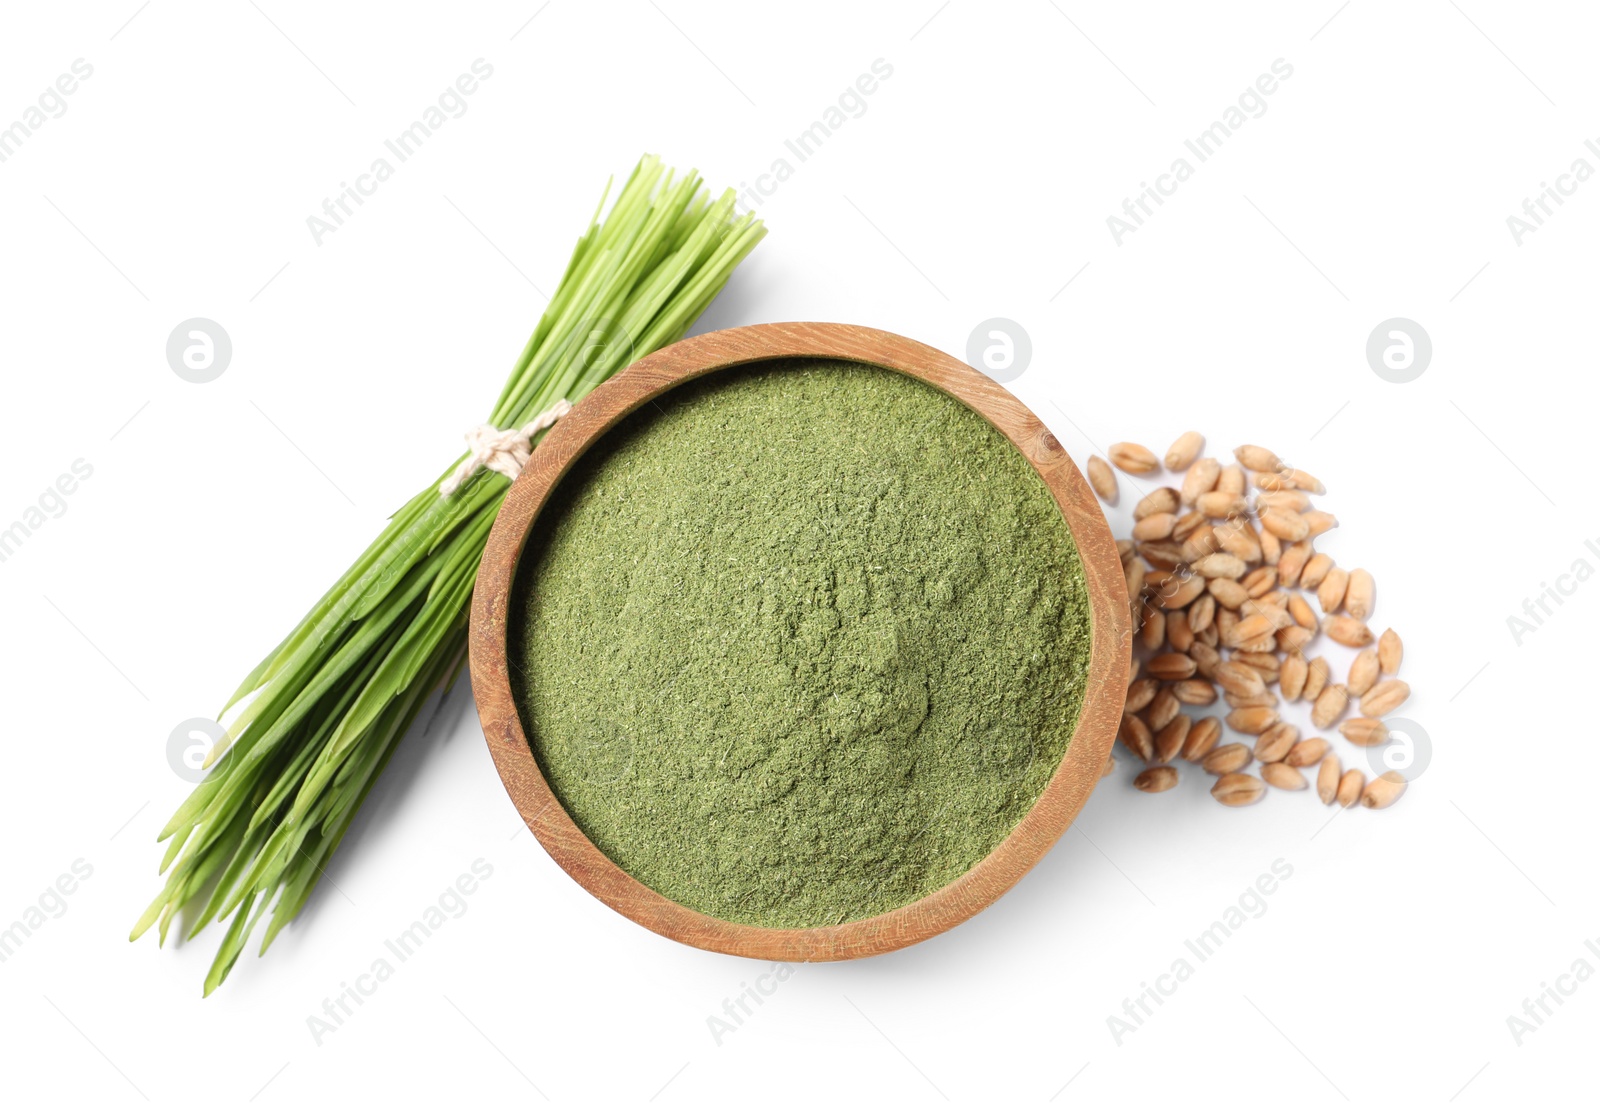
<point x="1218" y="585"/>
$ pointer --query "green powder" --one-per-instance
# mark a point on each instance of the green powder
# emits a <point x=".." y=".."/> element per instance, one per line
<point x="800" y="643"/>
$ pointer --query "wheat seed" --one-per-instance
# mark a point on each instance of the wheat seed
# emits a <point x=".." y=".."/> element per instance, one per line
<point x="1275" y="743"/>
<point x="1199" y="479"/>
<point x="1103" y="479"/>
<point x="1152" y="629"/>
<point x="1390" y="651"/>
<point x="1161" y="710"/>
<point x="1292" y="677"/>
<point x="1384" y="698"/>
<point x="1163" y="499"/>
<point x="1229" y="758"/>
<point x="1328" y="778"/>
<point x="1285" y="525"/>
<point x="1363" y="672"/>
<point x="1347" y="630"/>
<point x="1364" y="731"/>
<point x="1229" y="594"/>
<point x="1135" y="736"/>
<point x="1252" y="720"/>
<point x="1157" y="526"/>
<point x="1171" y="666"/>
<point x="1219" y="565"/>
<point x="1236" y="677"/>
<point x="1292" y="563"/>
<point x="1237" y="790"/>
<point x="1182" y="594"/>
<point x="1189" y="524"/>
<point x="1330" y="593"/>
<point x="1239" y="539"/>
<point x="1140" y="694"/>
<point x="1195" y="691"/>
<point x="1157" y="779"/>
<point x="1307" y="752"/>
<point x="1316" y="569"/>
<point x="1320" y="522"/>
<point x="1300" y="610"/>
<point x="1179" y="635"/>
<point x="1271" y="548"/>
<point x="1383" y="790"/>
<point x="1256" y="458"/>
<point x="1316" y="679"/>
<point x="1201" y="542"/>
<point x="1281" y="775"/>
<point x="1264" y="665"/>
<point x="1202" y="739"/>
<point x="1220" y="503"/>
<point x="1135" y="459"/>
<point x="1360" y="594"/>
<point x="1329" y="706"/>
<point x="1259" y="582"/>
<point x="1294" y="638"/>
<point x="1169" y="740"/>
<point x="1290" y="501"/>
<point x="1184" y="450"/>
<point x="1300" y="480"/>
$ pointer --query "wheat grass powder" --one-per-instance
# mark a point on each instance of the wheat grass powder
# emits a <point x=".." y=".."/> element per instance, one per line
<point x="799" y="643"/>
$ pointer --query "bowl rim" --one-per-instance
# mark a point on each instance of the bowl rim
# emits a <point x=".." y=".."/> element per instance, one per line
<point x="1057" y="805"/>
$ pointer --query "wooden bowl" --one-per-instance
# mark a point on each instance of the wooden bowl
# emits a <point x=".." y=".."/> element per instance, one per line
<point x="980" y="886"/>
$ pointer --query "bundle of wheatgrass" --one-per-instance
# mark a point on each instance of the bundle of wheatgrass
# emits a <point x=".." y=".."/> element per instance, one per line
<point x="324" y="711"/>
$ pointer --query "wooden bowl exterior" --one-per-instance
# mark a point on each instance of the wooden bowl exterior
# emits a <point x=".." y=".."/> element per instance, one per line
<point x="1058" y="804"/>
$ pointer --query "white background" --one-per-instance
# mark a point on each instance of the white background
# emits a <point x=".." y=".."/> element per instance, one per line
<point x="976" y="184"/>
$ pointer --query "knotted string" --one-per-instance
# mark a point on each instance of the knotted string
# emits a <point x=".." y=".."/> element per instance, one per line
<point x="502" y="450"/>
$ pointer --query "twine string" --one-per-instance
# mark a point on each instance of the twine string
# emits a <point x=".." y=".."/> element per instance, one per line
<point x="502" y="450"/>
